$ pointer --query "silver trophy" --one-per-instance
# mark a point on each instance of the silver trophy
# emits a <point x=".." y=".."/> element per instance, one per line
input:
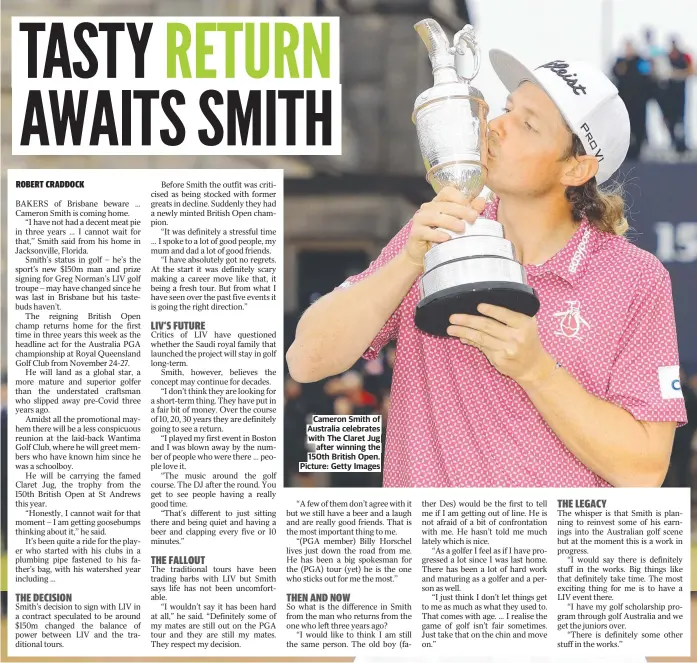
<point x="478" y="265"/>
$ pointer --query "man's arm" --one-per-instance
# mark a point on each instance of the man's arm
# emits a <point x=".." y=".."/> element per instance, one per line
<point x="603" y="436"/>
<point x="335" y="331"/>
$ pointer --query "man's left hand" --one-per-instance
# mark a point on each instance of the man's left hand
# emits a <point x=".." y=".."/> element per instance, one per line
<point x="509" y="340"/>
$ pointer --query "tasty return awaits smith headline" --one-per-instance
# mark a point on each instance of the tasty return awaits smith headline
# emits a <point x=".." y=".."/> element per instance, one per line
<point x="153" y="85"/>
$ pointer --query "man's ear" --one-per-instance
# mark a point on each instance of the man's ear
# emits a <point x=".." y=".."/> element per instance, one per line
<point x="582" y="169"/>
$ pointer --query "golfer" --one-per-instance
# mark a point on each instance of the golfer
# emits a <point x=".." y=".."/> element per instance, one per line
<point x="586" y="393"/>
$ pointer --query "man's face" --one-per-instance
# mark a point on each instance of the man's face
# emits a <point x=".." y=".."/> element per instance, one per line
<point x="526" y="143"/>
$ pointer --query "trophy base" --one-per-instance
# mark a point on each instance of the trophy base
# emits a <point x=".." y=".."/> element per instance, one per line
<point x="433" y="312"/>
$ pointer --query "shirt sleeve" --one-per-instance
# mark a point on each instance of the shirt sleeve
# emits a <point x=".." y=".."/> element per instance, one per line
<point x="389" y="329"/>
<point x="645" y="377"/>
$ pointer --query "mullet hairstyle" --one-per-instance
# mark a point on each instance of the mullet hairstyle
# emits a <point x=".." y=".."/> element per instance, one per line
<point x="603" y="209"/>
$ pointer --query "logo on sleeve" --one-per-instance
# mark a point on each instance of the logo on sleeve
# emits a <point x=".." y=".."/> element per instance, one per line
<point x="669" y="379"/>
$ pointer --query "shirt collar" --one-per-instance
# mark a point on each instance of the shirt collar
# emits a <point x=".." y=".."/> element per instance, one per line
<point x="569" y="262"/>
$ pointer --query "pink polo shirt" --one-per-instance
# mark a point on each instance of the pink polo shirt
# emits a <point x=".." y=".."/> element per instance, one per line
<point x="606" y="314"/>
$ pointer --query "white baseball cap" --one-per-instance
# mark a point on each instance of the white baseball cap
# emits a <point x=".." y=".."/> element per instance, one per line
<point x="585" y="97"/>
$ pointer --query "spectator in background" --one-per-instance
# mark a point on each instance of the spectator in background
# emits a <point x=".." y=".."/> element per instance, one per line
<point x="344" y="406"/>
<point x="390" y="356"/>
<point x="352" y="387"/>
<point x="661" y="73"/>
<point x="295" y="412"/>
<point x="682" y="67"/>
<point x="680" y="470"/>
<point x="631" y="76"/>
<point x="692" y="382"/>
<point x="374" y="376"/>
<point x="385" y="412"/>
<point x="346" y="394"/>
<point x="377" y="373"/>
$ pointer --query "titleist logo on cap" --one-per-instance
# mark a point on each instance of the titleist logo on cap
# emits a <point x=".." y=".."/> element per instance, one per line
<point x="561" y="69"/>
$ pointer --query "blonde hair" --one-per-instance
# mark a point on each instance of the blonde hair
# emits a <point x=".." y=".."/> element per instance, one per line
<point x="604" y="209"/>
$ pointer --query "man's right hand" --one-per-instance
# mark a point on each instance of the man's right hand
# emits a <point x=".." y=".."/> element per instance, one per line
<point x="450" y="209"/>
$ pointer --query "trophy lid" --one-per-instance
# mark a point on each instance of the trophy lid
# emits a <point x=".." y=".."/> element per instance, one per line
<point x="449" y="64"/>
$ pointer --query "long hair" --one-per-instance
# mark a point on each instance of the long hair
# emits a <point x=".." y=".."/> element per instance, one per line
<point x="603" y="209"/>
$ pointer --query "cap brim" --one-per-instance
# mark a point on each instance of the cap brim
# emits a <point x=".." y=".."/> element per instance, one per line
<point x="512" y="73"/>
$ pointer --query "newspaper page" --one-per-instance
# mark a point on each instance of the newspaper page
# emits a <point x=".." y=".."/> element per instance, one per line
<point x="231" y="358"/>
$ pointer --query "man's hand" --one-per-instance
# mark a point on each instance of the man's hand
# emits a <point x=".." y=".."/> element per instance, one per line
<point x="450" y="209"/>
<point x="510" y="342"/>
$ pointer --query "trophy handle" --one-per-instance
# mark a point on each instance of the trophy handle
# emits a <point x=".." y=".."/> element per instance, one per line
<point x="439" y="50"/>
<point x="467" y="37"/>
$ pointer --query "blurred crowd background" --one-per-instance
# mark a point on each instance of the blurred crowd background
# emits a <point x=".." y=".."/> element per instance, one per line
<point x="648" y="72"/>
